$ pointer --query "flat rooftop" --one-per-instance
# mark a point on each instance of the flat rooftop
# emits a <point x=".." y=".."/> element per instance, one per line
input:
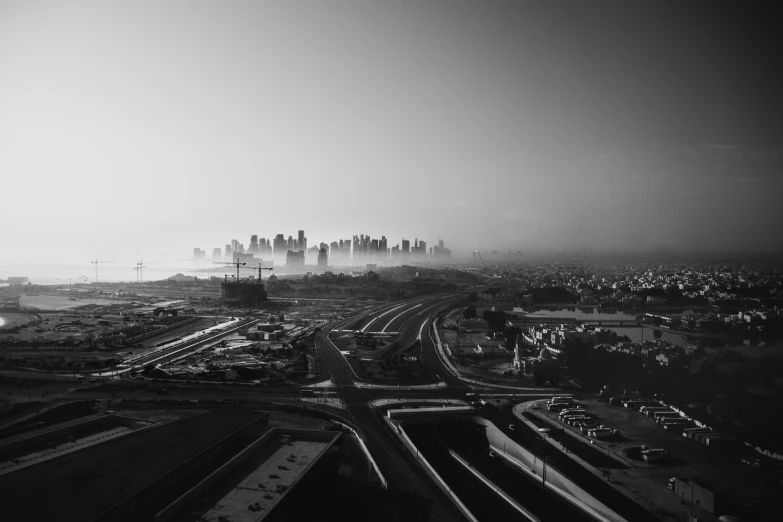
<point x="266" y="485"/>
<point x="83" y="485"/>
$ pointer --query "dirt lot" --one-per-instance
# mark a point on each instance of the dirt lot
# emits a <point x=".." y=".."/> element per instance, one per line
<point x="688" y="459"/>
<point x="11" y="319"/>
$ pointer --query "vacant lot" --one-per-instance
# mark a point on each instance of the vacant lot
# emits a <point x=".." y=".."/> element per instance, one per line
<point x="58" y="302"/>
<point x="11" y="320"/>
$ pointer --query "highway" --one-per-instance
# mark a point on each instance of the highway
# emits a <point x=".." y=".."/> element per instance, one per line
<point x="412" y="319"/>
<point x="401" y="472"/>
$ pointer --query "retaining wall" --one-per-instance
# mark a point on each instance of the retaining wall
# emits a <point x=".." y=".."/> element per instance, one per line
<point x="555" y="480"/>
<point x="434" y="474"/>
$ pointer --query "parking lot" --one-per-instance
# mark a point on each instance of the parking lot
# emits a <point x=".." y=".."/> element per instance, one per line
<point x="647" y="482"/>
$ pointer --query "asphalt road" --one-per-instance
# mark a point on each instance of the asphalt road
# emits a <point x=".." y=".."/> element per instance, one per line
<point x="412" y="319"/>
<point x="401" y="472"/>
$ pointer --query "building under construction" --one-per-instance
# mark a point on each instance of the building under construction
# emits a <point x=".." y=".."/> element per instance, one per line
<point x="244" y="293"/>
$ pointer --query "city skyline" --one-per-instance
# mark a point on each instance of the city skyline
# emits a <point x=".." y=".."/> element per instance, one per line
<point x="494" y="125"/>
<point x="360" y="251"/>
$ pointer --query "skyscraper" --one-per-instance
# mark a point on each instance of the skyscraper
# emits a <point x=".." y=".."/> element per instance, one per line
<point x="302" y="241"/>
<point x="323" y="259"/>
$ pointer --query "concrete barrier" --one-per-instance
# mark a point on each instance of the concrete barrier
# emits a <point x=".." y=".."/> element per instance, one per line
<point x="555" y="480"/>
<point x="367" y="452"/>
<point x="516" y="505"/>
<point x="439" y="349"/>
<point x="434" y="474"/>
<point x="448" y="410"/>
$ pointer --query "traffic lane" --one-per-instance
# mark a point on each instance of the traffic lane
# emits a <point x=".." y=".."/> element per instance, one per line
<point x="379" y="321"/>
<point x="360" y="320"/>
<point x="420" y="310"/>
<point x="431" y="357"/>
<point x="401" y="472"/>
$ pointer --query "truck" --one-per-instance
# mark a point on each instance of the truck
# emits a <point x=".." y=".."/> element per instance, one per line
<point x="675" y="424"/>
<point x="571" y="411"/>
<point x="649" y="410"/>
<point x="660" y="415"/>
<point x="601" y="433"/>
<point x="689" y="433"/>
<point x="725" y="442"/>
<point x="700" y="437"/>
<point x="652" y="455"/>
<point x="586" y="426"/>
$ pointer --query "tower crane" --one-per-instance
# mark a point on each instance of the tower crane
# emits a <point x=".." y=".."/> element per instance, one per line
<point x="259" y="268"/>
<point x="140" y="266"/>
<point x="96" y="263"/>
<point x="238" y="263"/>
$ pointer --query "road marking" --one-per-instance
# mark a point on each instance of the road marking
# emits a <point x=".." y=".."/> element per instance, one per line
<point x="398" y="316"/>
<point x="378" y="317"/>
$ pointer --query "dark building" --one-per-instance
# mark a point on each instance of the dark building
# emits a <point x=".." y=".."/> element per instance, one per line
<point x="323" y="259"/>
<point x="246" y="293"/>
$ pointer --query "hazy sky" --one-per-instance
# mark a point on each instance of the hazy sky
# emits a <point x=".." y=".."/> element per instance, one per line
<point x="149" y="126"/>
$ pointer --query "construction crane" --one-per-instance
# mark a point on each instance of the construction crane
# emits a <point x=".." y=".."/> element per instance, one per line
<point x="139" y="268"/>
<point x="259" y="268"/>
<point x="96" y="263"/>
<point x="238" y="263"/>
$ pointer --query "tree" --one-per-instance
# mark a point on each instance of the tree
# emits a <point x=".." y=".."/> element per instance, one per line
<point x="472" y="297"/>
<point x="495" y="319"/>
<point x="469" y="312"/>
<point x="511" y="337"/>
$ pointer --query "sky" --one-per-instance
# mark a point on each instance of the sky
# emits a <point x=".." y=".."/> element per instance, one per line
<point x="149" y="128"/>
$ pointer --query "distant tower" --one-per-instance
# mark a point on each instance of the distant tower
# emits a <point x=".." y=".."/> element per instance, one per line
<point x="323" y="259"/>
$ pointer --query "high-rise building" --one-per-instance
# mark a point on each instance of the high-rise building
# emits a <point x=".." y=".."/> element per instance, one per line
<point x="295" y="260"/>
<point x="216" y="254"/>
<point x="440" y="251"/>
<point x="229" y="252"/>
<point x="302" y="241"/>
<point x="199" y="254"/>
<point x="323" y="259"/>
<point x="280" y="249"/>
<point x="406" y="247"/>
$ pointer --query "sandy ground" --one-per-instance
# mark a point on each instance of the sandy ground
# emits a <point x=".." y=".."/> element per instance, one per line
<point x="56" y="302"/>
<point x="9" y="320"/>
